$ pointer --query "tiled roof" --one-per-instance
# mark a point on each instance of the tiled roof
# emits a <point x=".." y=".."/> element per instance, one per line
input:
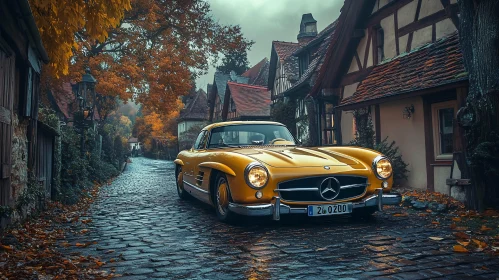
<point x="133" y="140"/>
<point x="65" y="100"/>
<point x="250" y="100"/>
<point x="258" y="74"/>
<point x="221" y="80"/>
<point x="430" y="66"/>
<point x="324" y="38"/>
<point x="197" y="108"/>
<point x="285" y="49"/>
<point x="285" y="52"/>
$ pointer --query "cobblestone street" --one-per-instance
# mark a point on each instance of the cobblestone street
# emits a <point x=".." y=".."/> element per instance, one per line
<point x="139" y="221"/>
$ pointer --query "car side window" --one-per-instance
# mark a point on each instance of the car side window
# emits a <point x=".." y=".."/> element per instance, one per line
<point x="202" y="142"/>
<point x="199" y="139"/>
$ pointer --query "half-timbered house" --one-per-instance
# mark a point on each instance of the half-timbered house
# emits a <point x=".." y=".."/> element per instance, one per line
<point x="245" y="102"/>
<point x="310" y="58"/>
<point x="400" y="61"/>
<point x="217" y="92"/>
<point x="192" y="118"/>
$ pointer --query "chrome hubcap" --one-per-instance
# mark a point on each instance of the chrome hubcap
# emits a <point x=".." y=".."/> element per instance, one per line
<point x="222" y="196"/>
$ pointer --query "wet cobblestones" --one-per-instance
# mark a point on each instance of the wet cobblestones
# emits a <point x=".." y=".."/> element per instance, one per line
<point x="139" y="221"/>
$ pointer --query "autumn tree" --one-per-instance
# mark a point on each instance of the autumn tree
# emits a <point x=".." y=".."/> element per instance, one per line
<point x="155" y="51"/>
<point x="479" y="39"/>
<point x="60" y="22"/>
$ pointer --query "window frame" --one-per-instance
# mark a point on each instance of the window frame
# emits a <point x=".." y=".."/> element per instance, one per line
<point x="435" y="109"/>
<point x="202" y="136"/>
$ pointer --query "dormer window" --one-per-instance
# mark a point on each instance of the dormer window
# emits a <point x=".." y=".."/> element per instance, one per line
<point x="303" y="63"/>
<point x="380" y="42"/>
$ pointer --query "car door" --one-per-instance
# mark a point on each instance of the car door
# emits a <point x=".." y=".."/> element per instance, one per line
<point x="199" y="156"/>
<point x="191" y="159"/>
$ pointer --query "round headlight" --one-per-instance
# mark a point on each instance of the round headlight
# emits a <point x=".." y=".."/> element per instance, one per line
<point x="256" y="175"/>
<point x="382" y="167"/>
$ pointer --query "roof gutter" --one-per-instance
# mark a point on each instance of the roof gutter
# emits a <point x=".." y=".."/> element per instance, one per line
<point x="27" y="15"/>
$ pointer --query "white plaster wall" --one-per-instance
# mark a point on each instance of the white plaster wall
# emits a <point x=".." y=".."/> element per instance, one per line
<point x="361" y="47"/>
<point x="353" y="66"/>
<point x="421" y="37"/>
<point x="347" y="123"/>
<point x="408" y="135"/>
<point x="403" y="43"/>
<point x="370" y="61"/>
<point x="406" y="14"/>
<point x="350" y="90"/>
<point x="442" y="173"/>
<point x="444" y="28"/>
<point x="429" y="7"/>
<point x="388" y="25"/>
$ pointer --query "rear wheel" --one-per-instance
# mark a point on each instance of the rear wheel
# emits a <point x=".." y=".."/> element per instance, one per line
<point x="180" y="184"/>
<point x="222" y="199"/>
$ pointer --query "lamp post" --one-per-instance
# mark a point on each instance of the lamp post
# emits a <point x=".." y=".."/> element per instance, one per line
<point x="85" y="98"/>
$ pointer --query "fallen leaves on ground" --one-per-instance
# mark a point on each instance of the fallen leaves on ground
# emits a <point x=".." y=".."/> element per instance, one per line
<point x="473" y="231"/>
<point x="434" y="238"/>
<point x="30" y="250"/>
<point x="460" y="249"/>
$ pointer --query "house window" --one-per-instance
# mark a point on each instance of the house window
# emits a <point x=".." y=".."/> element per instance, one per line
<point x="329" y="131"/>
<point x="443" y="129"/>
<point x="380" y="42"/>
<point x="303" y="63"/>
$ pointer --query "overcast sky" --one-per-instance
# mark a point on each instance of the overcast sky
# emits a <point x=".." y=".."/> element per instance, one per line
<point x="266" y="20"/>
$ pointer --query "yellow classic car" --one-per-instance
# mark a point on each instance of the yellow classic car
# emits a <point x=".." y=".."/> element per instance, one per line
<point x="256" y="168"/>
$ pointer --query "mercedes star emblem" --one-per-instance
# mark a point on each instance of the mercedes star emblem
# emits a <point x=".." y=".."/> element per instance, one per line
<point x="329" y="188"/>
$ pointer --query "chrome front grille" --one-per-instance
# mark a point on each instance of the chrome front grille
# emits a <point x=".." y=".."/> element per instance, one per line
<point x="308" y="189"/>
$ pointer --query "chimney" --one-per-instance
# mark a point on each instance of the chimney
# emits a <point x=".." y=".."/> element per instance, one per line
<point x="308" y="29"/>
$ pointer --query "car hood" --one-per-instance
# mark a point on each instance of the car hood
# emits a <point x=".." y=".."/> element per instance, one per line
<point x="298" y="157"/>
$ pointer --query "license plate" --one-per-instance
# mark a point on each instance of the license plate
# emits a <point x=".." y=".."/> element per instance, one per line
<point x="329" y="209"/>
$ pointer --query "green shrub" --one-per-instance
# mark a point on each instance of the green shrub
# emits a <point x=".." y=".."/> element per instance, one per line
<point x="365" y="137"/>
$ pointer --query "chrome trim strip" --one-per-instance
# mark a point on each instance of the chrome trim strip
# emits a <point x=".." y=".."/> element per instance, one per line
<point x="276" y="215"/>
<point x="297" y="190"/>
<point x="195" y="187"/>
<point x="323" y="175"/>
<point x="380" y="199"/>
<point x="276" y="207"/>
<point x="354" y="186"/>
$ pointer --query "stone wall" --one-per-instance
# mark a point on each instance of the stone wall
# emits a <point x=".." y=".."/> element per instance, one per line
<point x="19" y="171"/>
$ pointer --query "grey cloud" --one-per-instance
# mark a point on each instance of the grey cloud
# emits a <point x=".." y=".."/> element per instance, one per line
<point x="265" y="20"/>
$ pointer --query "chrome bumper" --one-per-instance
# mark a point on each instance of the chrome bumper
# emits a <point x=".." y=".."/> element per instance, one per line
<point x="276" y="208"/>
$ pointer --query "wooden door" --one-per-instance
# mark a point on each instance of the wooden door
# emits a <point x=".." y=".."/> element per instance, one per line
<point x="7" y="77"/>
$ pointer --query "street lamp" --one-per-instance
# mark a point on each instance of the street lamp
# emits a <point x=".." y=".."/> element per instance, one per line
<point x="85" y="98"/>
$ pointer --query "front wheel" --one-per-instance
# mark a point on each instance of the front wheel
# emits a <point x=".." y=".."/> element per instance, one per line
<point x="222" y="199"/>
<point x="180" y="184"/>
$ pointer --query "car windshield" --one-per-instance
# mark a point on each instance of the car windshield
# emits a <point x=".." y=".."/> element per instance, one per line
<point x="250" y="134"/>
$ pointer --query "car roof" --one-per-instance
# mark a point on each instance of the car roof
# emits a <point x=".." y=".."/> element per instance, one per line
<point x="220" y="124"/>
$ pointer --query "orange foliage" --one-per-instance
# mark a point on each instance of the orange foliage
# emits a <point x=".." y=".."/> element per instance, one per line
<point x="156" y="51"/>
<point x="59" y="22"/>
